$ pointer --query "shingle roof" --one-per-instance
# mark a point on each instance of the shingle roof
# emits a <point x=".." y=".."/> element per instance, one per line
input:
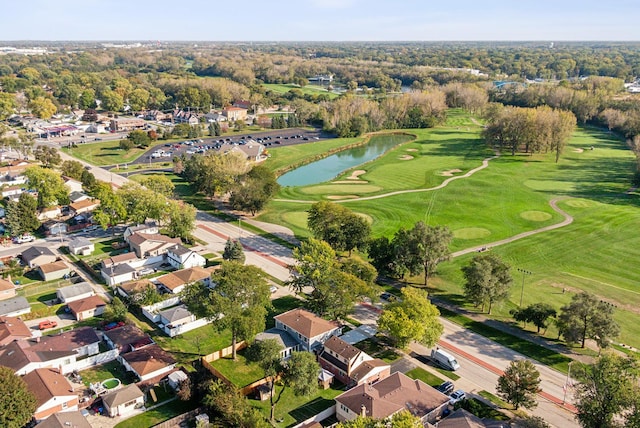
<point x="179" y="250"/>
<point x="6" y="285"/>
<point x="16" y="355"/>
<point x="392" y="394"/>
<point x="184" y="276"/>
<point x="176" y="313"/>
<point x="461" y="419"/>
<point x="47" y="384"/>
<point x="119" y="269"/>
<point x="75" y="290"/>
<point x="125" y="335"/>
<point x="14" y="304"/>
<point x="306" y="323"/>
<point x="122" y="395"/>
<point x="32" y="253"/>
<point x="86" y="304"/>
<point x="12" y="329"/>
<point x="67" y="340"/>
<point x="120" y="258"/>
<point x="79" y="241"/>
<point x="138" y="238"/>
<point x="53" y="267"/>
<point x="86" y="203"/>
<point x="132" y="287"/>
<point x="284" y="339"/>
<point x="148" y="359"/>
<point x="73" y="419"/>
<point x="341" y="348"/>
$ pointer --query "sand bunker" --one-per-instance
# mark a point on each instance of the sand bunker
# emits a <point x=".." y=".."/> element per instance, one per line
<point x="578" y="150"/>
<point x="356" y="174"/>
<point x="338" y="197"/>
<point x="450" y="172"/>
<point x="412" y="150"/>
<point x="405" y="157"/>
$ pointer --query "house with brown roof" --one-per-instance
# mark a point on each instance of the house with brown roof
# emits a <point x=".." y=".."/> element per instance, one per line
<point x="84" y="206"/>
<point x="12" y="329"/>
<point x="88" y="307"/>
<point x="389" y="396"/>
<point x="126" y="124"/>
<point x="234" y="113"/>
<point x="123" y="401"/>
<point x="464" y="419"/>
<point x="308" y="329"/>
<point x="53" y="392"/>
<point x="349" y="364"/>
<point x="7" y="289"/>
<point x="122" y="338"/>
<point x="148" y="362"/>
<point x="150" y="245"/>
<point x="175" y="282"/>
<point x="119" y="259"/>
<point x="55" y="270"/>
<point x="49" y="213"/>
<point x="70" y="419"/>
<point x="150" y="228"/>
<point x="22" y="358"/>
<point x="130" y="288"/>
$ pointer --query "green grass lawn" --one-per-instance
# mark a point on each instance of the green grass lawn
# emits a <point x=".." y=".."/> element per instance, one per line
<point x="159" y="414"/>
<point x="240" y="372"/>
<point x="595" y="253"/>
<point x="378" y="349"/>
<point x="108" y="152"/>
<point x="112" y="369"/>
<point x="185" y="346"/>
<point x="292" y="409"/>
<point x="425" y="376"/>
<point x="307" y="90"/>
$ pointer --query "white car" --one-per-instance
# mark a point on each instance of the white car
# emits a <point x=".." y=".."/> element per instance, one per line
<point x="24" y="238"/>
<point x="457" y="396"/>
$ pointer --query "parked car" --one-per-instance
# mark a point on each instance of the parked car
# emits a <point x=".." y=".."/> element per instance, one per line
<point x="112" y="325"/>
<point x="273" y="288"/>
<point x="446" y="387"/>
<point x="456" y="396"/>
<point x="47" y="324"/>
<point x="24" y="238"/>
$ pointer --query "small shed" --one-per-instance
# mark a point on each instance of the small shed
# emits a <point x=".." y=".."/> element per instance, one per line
<point x="176" y="378"/>
<point x="325" y="379"/>
<point x="81" y="246"/>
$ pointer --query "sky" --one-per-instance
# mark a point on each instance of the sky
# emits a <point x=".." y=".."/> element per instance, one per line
<point x="321" y="20"/>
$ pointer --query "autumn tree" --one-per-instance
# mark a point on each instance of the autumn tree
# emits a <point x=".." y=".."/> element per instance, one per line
<point x="424" y="247"/>
<point x="139" y="138"/>
<point x="42" y="107"/>
<point x="402" y="419"/>
<point x="411" y="318"/>
<point x="519" y="384"/>
<point x="238" y="301"/>
<point x="487" y="280"/>
<point x="587" y="317"/>
<point x="254" y="190"/>
<point x="18" y="403"/>
<point x="112" y="209"/>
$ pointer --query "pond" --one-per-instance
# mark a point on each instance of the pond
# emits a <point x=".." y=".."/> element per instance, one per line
<point x="329" y="167"/>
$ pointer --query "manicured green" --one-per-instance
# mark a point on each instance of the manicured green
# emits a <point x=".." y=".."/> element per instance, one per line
<point x="307" y="90"/>
<point x="425" y="376"/>
<point x="107" y="152"/>
<point x="595" y="253"/>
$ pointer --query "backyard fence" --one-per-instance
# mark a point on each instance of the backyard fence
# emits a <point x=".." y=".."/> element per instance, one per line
<point x="175" y="422"/>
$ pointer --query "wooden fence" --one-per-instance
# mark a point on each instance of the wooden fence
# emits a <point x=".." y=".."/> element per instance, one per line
<point x="175" y="422"/>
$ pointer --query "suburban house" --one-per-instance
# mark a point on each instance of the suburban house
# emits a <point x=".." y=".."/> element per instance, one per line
<point x="349" y="364"/>
<point x="7" y="289"/>
<point x="234" y="113"/>
<point x="130" y="288"/>
<point x="389" y="396"/>
<point x="14" y="307"/>
<point x="77" y="197"/>
<point x="123" y="400"/>
<point x="55" y="228"/>
<point x="54" y="270"/>
<point x="308" y="329"/>
<point x="53" y="392"/>
<point x="12" y="329"/>
<point x="148" y="362"/>
<point x="176" y="316"/>
<point x="126" y="124"/>
<point x="149" y="228"/>
<point x="156" y="115"/>
<point x="180" y="257"/>
<point x="87" y="307"/>
<point x="119" y="259"/>
<point x="117" y="274"/>
<point x="175" y="282"/>
<point x="149" y="245"/>
<point x="81" y="246"/>
<point x="11" y="191"/>
<point x="36" y="255"/>
<point x="73" y="184"/>
<point x="287" y="343"/>
<point x="190" y="117"/>
<point x="84" y="206"/>
<point x="121" y="338"/>
<point x="22" y="358"/>
<point x="69" y="419"/>
<point x="252" y="150"/>
<point x="73" y="292"/>
<point x="49" y="213"/>
<point x="214" y="116"/>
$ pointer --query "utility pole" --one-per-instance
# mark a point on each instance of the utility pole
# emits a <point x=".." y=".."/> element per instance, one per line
<point x="524" y="272"/>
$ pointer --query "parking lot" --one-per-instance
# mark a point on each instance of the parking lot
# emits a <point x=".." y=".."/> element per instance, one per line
<point x="275" y="138"/>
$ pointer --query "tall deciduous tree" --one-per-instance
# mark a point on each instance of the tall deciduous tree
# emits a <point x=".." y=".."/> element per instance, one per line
<point x="18" y="403"/>
<point x="73" y="169"/>
<point x="403" y="419"/>
<point x="538" y="314"/>
<point x="519" y="384"/>
<point x="159" y="183"/>
<point x="254" y="190"/>
<point x="49" y="185"/>
<point x="411" y="318"/>
<point x="606" y="395"/>
<point x="338" y="226"/>
<point x="231" y="408"/>
<point x="42" y="107"/>
<point x="427" y="246"/>
<point x="112" y="209"/>
<point x="48" y="156"/>
<point x="487" y="280"/>
<point x="182" y="219"/>
<point x="238" y="301"/>
<point x="587" y="317"/>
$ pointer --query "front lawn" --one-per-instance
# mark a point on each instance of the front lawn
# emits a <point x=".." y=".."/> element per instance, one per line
<point x="159" y="414"/>
<point x="107" y="152"/>
<point x="425" y="376"/>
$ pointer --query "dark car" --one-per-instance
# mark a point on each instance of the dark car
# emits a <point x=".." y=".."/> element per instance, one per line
<point x="446" y="387"/>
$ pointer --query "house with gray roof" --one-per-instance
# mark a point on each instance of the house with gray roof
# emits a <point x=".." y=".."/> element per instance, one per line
<point x="75" y="292"/>
<point x="123" y="400"/>
<point x="117" y="274"/>
<point x="81" y="246"/>
<point x="176" y="316"/>
<point x="287" y="343"/>
<point x="38" y="255"/>
<point x="14" y="307"/>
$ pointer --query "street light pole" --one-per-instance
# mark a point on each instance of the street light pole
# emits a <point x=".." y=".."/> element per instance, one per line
<point x="566" y="383"/>
<point x="524" y="272"/>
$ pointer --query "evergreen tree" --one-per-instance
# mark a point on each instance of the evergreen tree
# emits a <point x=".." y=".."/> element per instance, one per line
<point x="233" y="251"/>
